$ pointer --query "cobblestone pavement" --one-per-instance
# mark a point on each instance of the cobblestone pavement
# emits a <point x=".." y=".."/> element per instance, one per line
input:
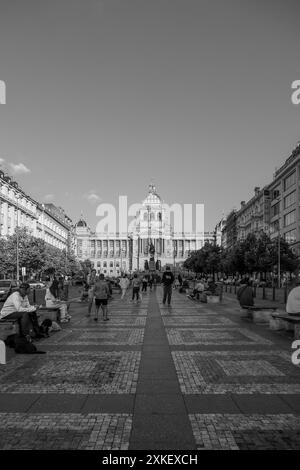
<point x="189" y="376"/>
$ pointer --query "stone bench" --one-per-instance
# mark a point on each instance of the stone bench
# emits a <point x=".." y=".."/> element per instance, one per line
<point x="259" y="314"/>
<point x="285" y="321"/>
<point x="8" y="327"/>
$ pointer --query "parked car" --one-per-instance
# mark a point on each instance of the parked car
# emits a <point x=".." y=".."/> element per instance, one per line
<point x="7" y="287"/>
<point x="36" y="284"/>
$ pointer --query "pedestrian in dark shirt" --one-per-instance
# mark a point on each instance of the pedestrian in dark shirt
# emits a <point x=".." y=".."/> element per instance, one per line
<point x="245" y="294"/>
<point x="167" y="281"/>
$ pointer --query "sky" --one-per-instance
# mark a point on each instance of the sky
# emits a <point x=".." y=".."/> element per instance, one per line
<point x="104" y="97"/>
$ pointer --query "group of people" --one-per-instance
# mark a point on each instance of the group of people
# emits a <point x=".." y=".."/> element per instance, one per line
<point x="99" y="291"/>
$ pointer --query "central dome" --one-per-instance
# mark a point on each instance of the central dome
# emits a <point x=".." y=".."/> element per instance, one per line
<point x="153" y="197"/>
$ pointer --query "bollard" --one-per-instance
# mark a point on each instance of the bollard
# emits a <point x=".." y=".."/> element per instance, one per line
<point x="34" y="296"/>
<point x="273" y="297"/>
<point x="254" y="293"/>
<point x="264" y="293"/>
<point x="230" y="289"/>
<point x="2" y="352"/>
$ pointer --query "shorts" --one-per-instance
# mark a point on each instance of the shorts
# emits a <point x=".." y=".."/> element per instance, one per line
<point x="99" y="302"/>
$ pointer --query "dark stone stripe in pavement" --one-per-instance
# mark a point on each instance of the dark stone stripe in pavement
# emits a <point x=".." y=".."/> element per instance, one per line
<point x="264" y="404"/>
<point x="293" y="401"/>
<point x="67" y="403"/>
<point x="160" y="418"/>
<point x="16" y="403"/>
<point x="210" y="404"/>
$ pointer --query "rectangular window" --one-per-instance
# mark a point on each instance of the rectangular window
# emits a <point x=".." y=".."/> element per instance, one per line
<point x="289" y="218"/>
<point x="290" y="199"/>
<point x="290" y="180"/>
<point x="290" y="237"/>
<point x="275" y="209"/>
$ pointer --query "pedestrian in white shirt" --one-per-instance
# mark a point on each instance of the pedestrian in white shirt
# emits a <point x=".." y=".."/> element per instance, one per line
<point x="17" y="307"/>
<point x="124" y="283"/>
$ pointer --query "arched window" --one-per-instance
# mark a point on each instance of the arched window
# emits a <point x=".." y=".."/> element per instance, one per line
<point x="152" y="216"/>
<point x="159" y="216"/>
<point x="145" y="216"/>
<point x="111" y="264"/>
<point x="105" y="264"/>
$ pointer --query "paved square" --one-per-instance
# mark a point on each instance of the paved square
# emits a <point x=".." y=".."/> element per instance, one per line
<point x="57" y="431"/>
<point x="246" y="432"/>
<point x="128" y="320"/>
<point x="214" y="336"/>
<point x="98" y="335"/>
<point x="205" y="372"/>
<point x="197" y="320"/>
<point x="73" y="372"/>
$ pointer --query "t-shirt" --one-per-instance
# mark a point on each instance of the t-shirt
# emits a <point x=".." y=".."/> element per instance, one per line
<point x="136" y="282"/>
<point x="293" y="301"/>
<point x="101" y="290"/>
<point x="168" y="278"/>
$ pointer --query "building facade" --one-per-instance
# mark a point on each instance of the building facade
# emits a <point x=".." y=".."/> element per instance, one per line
<point x="46" y="221"/>
<point x="274" y="210"/>
<point x="285" y="201"/>
<point x="112" y="254"/>
<point x="254" y="216"/>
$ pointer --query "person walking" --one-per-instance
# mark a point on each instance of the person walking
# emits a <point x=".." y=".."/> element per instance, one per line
<point x="136" y="283"/>
<point x="167" y="281"/>
<point x="91" y="280"/>
<point x="101" y="293"/>
<point x="124" y="283"/>
<point x="144" y="284"/>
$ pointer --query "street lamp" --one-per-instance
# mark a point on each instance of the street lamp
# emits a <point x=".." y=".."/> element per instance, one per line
<point x="17" y="233"/>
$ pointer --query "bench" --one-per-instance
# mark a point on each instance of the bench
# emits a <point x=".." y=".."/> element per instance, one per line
<point x="259" y="314"/>
<point x="8" y="327"/>
<point x="281" y="321"/>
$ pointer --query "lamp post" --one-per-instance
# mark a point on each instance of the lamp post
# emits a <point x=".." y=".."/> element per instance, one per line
<point x="17" y="233"/>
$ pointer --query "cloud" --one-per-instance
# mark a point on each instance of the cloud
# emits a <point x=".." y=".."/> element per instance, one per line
<point x="2" y="160"/>
<point x="48" y="198"/>
<point x="92" y="197"/>
<point x="19" y="168"/>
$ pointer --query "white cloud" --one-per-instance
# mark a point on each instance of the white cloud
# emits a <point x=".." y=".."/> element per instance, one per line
<point x="19" y="168"/>
<point x="48" y="198"/>
<point x="92" y="197"/>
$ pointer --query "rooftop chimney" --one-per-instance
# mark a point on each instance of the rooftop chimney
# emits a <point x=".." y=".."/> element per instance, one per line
<point x="242" y="203"/>
<point x="256" y="190"/>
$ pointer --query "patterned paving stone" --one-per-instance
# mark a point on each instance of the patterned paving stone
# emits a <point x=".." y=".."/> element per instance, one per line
<point x="215" y="336"/>
<point x="198" y="321"/>
<point x="246" y="432"/>
<point x="72" y="372"/>
<point x="98" y="335"/>
<point x="167" y="311"/>
<point x="239" y="372"/>
<point x="57" y="431"/>
<point x="113" y="321"/>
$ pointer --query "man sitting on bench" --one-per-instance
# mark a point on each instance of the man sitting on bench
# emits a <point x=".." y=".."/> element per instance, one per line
<point x="245" y="294"/>
<point x="293" y="300"/>
<point x="17" y="307"/>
